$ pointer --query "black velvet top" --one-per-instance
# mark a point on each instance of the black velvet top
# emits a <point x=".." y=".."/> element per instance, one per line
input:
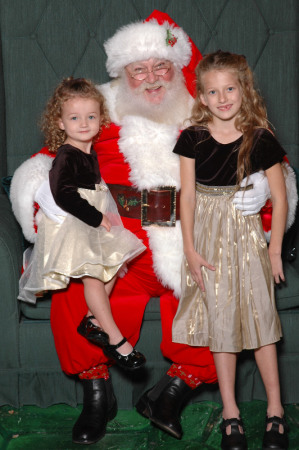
<point x="216" y="164"/>
<point x="73" y="169"/>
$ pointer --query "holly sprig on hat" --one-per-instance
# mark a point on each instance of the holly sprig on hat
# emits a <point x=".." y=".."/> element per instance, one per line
<point x="171" y="39"/>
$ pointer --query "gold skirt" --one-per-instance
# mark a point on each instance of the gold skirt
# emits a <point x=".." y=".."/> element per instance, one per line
<point x="74" y="249"/>
<point x="237" y="310"/>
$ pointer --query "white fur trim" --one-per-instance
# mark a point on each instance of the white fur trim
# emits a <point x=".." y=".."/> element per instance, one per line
<point x="292" y="194"/>
<point x="167" y="248"/>
<point x="143" y="40"/>
<point x="267" y="235"/>
<point x="147" y="147"/>
<point x="25" y="182"/>
<point x="109" y="91"/>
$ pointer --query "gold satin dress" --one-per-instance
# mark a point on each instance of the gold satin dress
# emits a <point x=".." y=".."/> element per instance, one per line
<point x="237" y="310"/>
<point x="74" y="249"/>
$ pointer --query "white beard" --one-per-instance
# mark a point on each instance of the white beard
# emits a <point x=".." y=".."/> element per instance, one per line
<point x="173" y="110"/>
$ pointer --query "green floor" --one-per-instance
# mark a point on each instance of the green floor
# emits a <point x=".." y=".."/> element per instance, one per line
<point x="33" y="428"/>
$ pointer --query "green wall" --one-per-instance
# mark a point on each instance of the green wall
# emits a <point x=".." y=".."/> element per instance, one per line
<point x="45" y="40"/>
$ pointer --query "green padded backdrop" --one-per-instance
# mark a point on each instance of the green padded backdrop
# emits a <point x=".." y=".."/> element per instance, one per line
<point x="45" y="40"/>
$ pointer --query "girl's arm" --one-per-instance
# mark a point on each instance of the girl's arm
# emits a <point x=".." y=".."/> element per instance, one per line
<point x="280" y="208"/>
<point x="64" y="188"/>
<point x="187" y="208"/>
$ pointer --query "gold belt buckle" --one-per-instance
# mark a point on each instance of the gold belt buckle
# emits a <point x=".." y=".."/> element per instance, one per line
<point x="145" y="205"/>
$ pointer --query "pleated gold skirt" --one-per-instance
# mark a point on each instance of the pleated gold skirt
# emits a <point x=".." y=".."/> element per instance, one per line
<point x="237" y="310"/>
<point x="73" y="249"/>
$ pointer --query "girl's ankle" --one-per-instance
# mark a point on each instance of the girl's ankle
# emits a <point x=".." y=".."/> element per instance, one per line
<point x="125" y="349"/>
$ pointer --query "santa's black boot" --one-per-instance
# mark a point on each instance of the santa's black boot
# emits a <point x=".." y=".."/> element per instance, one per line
<point x="162" y="404"/>
<point x="99" y="406"/>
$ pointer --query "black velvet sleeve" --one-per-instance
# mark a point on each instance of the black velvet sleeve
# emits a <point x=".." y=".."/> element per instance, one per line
<point x="267" y="151"/>
<point x="185" y="145"/>
<point x="72" y="169"/>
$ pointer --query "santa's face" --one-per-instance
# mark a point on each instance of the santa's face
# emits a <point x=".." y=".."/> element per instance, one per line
<point x="157" y="72"/>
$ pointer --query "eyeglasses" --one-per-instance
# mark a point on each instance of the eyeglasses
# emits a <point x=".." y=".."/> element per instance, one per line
<point x="142" y="74"/>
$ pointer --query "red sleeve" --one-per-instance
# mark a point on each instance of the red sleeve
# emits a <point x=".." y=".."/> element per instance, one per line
<point x="44" y="151"/>
<point x="114" y="169"/>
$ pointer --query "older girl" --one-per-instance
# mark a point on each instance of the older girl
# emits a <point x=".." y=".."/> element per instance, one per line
<point x="228" y="272"/>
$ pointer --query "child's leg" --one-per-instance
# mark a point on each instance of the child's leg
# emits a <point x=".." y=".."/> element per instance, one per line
<point x="97" y="300"/>
<point x="225" y="364"/>
<point x="266" y="359"/>
<point x="108" y="288"/>
<point x="226" y="372"/>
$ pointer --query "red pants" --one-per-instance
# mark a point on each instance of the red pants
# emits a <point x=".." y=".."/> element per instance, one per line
<point x="128" y="301"/>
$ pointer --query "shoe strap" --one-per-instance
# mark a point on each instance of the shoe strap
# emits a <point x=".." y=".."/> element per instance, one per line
<point x="276" y="421"/>
<point x="118" y="345"/>
<point x="91" y="324"/>
<point x="234" y="421"/>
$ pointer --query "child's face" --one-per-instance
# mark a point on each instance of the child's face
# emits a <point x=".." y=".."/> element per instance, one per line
<point x="80" y="119"/>
<point x="222" y="94"/>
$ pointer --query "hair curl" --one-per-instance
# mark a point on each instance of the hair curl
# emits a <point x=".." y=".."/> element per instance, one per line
<point x="252" y="114"/>
<point x="68" y="88"/>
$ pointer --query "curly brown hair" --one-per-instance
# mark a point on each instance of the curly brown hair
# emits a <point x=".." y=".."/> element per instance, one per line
<point x="252" y="114"/>
<point x="68" y="88"/>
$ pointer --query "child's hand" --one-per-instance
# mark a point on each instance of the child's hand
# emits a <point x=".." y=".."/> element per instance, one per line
<point x="277" y="269"/>
<point x="106" y="223"/>
<point x="196" y="262"/>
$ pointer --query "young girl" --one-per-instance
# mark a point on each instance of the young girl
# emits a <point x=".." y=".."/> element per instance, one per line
<point x="228" y="273"/>
<point x="89" y="242"/>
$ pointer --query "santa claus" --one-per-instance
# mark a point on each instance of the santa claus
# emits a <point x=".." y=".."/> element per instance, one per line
<point x="149" y="101"/>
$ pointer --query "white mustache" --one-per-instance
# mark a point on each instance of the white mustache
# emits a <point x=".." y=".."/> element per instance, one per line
<point x="157" y="84"/>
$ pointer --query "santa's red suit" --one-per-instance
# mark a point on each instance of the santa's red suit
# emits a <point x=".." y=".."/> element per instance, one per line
<point x="133" y="151"/>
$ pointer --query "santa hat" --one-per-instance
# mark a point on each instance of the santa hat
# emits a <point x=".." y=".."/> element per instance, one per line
<point x="158" y="37"/>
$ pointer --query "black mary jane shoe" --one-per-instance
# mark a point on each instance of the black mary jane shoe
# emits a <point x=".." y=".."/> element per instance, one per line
<point x="273" y="439"/>
<point x="235" y="440"/>
<point x="97" y="336"/>
<point x="92" y="332"/>
<point x="132" y="361"/>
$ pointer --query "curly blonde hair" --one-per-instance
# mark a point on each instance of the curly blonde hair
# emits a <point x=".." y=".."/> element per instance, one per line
<point x="252" y="114"/>
<point x="68" y="88"/>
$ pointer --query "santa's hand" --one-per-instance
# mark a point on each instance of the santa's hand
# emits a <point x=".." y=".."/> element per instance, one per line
<point x="47" y="203"/>
<point x="252" y="200"/>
